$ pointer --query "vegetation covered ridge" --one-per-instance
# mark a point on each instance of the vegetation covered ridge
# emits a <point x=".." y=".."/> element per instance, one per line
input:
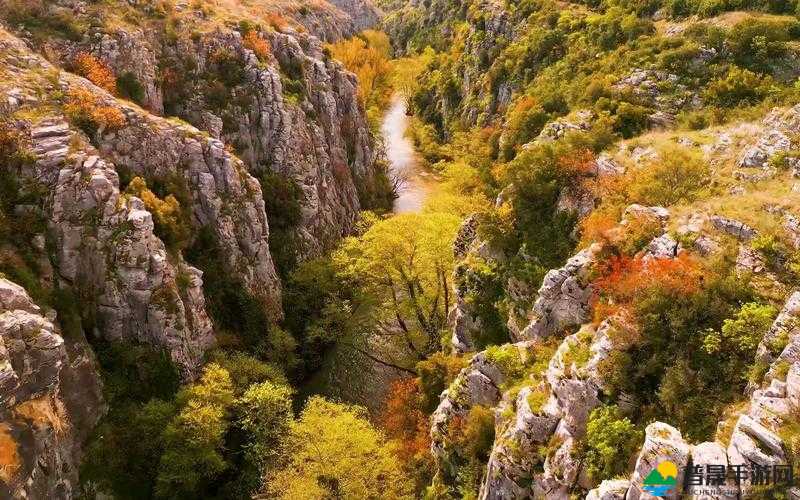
<point x="198" y="264"/>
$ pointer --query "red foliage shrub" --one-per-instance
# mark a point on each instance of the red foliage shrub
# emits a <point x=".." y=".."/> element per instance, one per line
<point x="404" y="420"/>
<point x="624" y="279"/>
<point x="259" y="46"/>
<point x="578" y="164"/>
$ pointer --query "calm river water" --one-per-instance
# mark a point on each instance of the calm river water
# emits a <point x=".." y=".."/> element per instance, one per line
<point x="403" y="159"/>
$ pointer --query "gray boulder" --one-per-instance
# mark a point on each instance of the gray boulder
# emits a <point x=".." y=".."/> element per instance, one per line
<point x="662" y="443"/>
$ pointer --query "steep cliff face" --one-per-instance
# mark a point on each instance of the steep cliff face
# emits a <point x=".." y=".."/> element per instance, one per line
<point x="49" y="400"/>
<point x="104" y="240"/>
<point x="293" y="113"/>
<point x="483" y="30"/>
<point x="269" y="91"/>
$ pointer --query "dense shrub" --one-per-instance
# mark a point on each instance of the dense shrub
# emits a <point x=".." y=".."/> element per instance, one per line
<point x="95" y="71"/>
<point x="738" y="87"/>
<point x="610" y="442"/>
<point x="616" y="26"/>
<point x="315" y="299"/>
<point x="139" y="386"/>
<point x="676" y="176"/>
<point x="667" y="370"/>
<point x="179" y="443"/>
<point x="85" y="110"/>
<point x="239" y="317"/>
<point x="472" y="438"/>
<point x="260" y="47"/>
<point x="758" y="45"/>
<point x="38" y="17"/>
<point x="130" y="88"/>
<point x="484" y="285"/>
<point x="524" y="122"/>
<point x="171" y="224"/>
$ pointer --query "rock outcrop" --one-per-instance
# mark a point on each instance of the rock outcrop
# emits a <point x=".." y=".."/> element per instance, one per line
<point x="563" y="299"/>
<point x="49" y="400"/>
<point x="563" y="400"/>
<point x="662" y="443"/>
<point x="477" y="384"/>
<point x="779" y="126"/>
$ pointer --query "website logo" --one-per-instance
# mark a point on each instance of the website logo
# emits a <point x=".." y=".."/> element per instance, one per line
<point x="662" y="480"/>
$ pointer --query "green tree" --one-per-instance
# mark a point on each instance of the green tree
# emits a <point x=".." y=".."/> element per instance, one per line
<point x="193" y="441"/>
<point x="334" y="452"/>
<point x="676" y="176"/>
<point x="404" y="265"/>
<point x="265" y="415"/>
<point x="743" y="332"/>
<point x="610" y="441"/>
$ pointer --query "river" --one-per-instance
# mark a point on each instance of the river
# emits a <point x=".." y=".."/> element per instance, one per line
<point x="403" y="161"/>
<point x="355" y="378"/>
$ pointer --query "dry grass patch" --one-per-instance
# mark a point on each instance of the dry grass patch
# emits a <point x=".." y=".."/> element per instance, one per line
<point x="44" y="412"/>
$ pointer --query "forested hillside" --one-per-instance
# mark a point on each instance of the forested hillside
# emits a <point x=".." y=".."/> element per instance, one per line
<point x="208" y="290"/>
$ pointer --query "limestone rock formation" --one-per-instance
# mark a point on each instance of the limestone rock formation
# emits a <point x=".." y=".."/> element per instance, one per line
<point x="49" y="401"/>
<point x="610" y="489"/>
<point x="563" y="299"/>
<point x="105" y="241"/>
<point x="291" y="110"/>
<point x="779" y="125"/>
<point x="476" y="384"/>
<point x="662" y="442"/>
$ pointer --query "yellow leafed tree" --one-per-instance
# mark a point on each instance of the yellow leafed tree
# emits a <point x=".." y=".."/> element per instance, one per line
<point x="335" y="452"/>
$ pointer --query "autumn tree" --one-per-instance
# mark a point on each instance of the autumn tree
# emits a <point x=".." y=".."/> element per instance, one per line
<point x="407" y="71"/>
<point x="335" y="452"/>
<point x="404" y="265"/>
<point x="367" y="55"/>
<point x="406" y="423"/>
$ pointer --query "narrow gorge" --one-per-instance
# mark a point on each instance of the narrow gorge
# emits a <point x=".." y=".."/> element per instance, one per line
<point x="451" y="249"/>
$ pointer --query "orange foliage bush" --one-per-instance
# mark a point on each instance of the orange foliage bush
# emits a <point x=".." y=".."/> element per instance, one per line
<point x="275" y="20"/>
<point x="9" y="456"/>
<point x="406" y="424"/>
<point x="85" y="110"/>
<point x="624" y="279"/>
<point x="95" y="71"/>
<point x="254" y="42"/>
<point x="404" y="420"/>
<point x="578" y="164"/>
<point x="597" y="226"/>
